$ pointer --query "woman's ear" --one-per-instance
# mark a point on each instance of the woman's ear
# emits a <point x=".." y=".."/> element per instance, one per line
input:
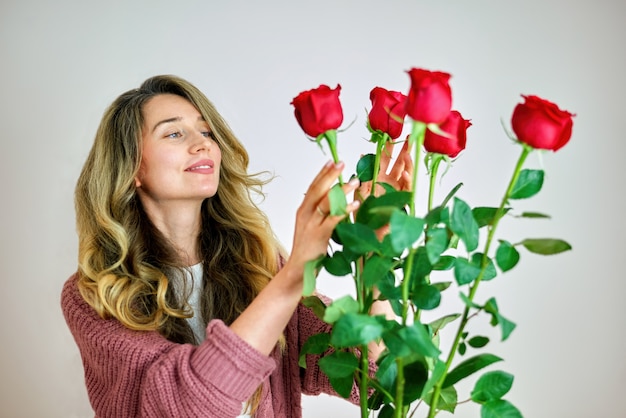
<point x="137" y="182"/>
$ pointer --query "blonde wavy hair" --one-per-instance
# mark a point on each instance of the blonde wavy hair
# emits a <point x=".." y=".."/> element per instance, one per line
<point x="123" y="258"/>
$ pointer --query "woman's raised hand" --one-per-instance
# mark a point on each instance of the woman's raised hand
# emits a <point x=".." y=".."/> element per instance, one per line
<point x="400" y="175"/>
<point x="314" y="223"/>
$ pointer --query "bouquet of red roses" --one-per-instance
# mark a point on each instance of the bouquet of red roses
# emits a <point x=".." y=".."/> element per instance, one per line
<point x="403" y="266"/>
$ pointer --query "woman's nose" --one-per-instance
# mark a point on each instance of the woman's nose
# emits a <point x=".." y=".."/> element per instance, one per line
<point x="201" y="142"/>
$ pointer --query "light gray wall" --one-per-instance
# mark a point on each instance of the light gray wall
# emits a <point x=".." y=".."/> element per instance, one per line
<point x="63" y="62"/>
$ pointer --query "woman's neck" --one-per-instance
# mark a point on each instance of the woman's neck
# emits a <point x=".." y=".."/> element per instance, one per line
<point x="180" y="224"/>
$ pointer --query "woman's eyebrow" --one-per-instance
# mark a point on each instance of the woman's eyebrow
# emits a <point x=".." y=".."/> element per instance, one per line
<point x="174" y="119"/>
<point x="169" y="120"/>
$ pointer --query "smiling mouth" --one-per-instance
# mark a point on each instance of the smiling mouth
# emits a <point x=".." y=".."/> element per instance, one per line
<point x="200" y="167"/>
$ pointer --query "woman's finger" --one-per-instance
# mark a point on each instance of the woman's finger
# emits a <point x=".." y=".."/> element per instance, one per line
<point x="385" y="156"/>
<point x="400" y="164"/>
<point x="323" y="206"/>
<point x="320" y="185"/>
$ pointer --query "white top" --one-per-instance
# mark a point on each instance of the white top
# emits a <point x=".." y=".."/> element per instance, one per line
<point x="194" y="279"/>
<point x="193" y="276"/>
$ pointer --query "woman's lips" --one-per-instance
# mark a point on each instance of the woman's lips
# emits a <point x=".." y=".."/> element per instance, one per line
<point x="201" y="167"/>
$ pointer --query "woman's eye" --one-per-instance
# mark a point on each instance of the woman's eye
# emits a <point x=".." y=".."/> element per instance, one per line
<point x="207" y="134"/>
<point x="174" y="135"/>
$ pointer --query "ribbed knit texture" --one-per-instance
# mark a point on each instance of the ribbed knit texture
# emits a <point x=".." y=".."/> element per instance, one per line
<point x="130" y="374"/>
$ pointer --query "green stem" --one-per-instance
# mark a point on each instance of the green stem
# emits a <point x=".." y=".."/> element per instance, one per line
<point x="436" y="159"/>
<point x="380" y="146"/>
<point x="433" y="177"/>
<point x="416" y="139"/>
<point x="331" y="138"/>
<point x="364" y="382"/>
<point x="484" y="262"/>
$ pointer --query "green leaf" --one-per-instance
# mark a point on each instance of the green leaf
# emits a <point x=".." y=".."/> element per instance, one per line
<point x="433" y="217"/>
<point x="365" y="168"/>
<point x="376" y="211"/>
<point x="316" y="304"/>
<point x="499" y="409"/>
<point x="315" y="344"/>
<point x="338" y="264"/>
<point x="310" y="275"/>
<point x="340" y="307"/>
<point x="416" y="375"/>
<point x="546" y="246"/>
<point x="421" y="266"/>
<point x="451" y="194"/>
<point x="406" y="340"/>
<point x="462" y="348"/>
<point x="339" y="364"/>
<point x="337" y="199"/>
<point x="405" y="230"/>
<point x="374" y="269"/>
<point x="426" y="296"/>
<point x="506" y="256"/>
<point x="506" y="326"/>
<point x="438" y="369"/>
<point x="492" y="386"/>
<point x="533" y="215"/>
<point x="441" y="286"/>
<point x="486" y="215"/>
<point x="387" y="372"/>
<point x="478" y="341"/>
<point x="446" y="262"/>
<point x="387" y="411"/>
<point x="468" y="302"/>
<point x="465" y="272"/>
<point x="463" y="224"/>
<point x="388" y="288"/>
<point x="490" y="269"/>
<point x="528" y="184"/>
<point x="342" y="385"/>
<point x="438" y="324"/>
<point x="448" y="399"/>
<point x="436" y="243"/>
<point x="359" y="238"/>
<point x="469" y="366"/>
<point x="352" y="330"/>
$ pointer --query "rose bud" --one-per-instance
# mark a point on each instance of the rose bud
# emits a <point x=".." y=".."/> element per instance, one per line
<point x="541" y="124"/>
<point x="318" y="110"/>
<point x="388" y="111"/>
<point x="455" y="126"/>
<point x="430" y="96"/>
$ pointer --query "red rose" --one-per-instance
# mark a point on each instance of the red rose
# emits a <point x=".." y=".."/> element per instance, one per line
<point x="430" y="97"/>
<point x="318" y="110"/>
<point x="388" y="111"/>
<point x="541" y="124"/>
<point x="454" y="125"/>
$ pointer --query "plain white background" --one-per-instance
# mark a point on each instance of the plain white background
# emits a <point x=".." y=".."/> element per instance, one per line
<point x="63" y="62"/>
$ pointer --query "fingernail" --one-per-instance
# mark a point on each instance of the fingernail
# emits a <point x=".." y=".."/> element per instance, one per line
<point x="328" y="163"/>
<point x="354" y="182"/>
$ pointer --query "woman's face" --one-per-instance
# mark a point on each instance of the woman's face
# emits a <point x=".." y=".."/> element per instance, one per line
<point x="181" y="161"/>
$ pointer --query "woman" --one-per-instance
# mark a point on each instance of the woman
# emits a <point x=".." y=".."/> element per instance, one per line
<point x="184" y="303"/>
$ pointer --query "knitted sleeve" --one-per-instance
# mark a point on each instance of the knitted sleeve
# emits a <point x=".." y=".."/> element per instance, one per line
<point x="314" y="381"/>
<point x="141" y="374"/>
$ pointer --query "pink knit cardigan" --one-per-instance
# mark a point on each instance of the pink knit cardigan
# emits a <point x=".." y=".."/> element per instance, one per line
<point x="141" y="374"/>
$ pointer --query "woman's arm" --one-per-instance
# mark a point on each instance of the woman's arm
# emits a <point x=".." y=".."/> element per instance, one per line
<point x="263" y="321"/>
<point x="130" y="374"/>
